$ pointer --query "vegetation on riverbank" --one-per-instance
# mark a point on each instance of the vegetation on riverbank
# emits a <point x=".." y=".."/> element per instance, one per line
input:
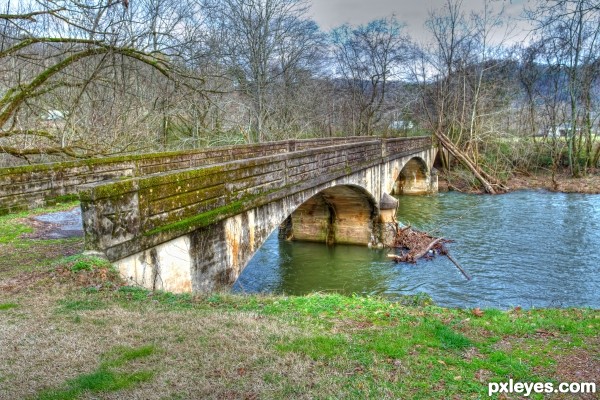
<point x="523" y="163"/>
<point x="70" y="329"/>
<point x="461" y="180"/>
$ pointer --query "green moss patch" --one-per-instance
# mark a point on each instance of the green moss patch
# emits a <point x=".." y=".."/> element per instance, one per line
<point x="11" y="229"/>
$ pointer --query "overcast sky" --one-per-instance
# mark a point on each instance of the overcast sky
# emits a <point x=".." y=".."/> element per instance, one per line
<point x="331" y="13"/>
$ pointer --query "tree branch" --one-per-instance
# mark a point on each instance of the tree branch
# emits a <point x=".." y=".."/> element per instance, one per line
<point x="30" y="16"/>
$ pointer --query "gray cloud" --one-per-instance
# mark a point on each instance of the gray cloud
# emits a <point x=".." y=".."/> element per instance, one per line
<point x="331" y="13"/>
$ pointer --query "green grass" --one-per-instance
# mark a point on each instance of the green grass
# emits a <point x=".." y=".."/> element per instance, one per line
<point x="8" y="306"/>
<point x="81" y="305"/>
<point x="119" y="356"/>
<point x="79" y="262"/>
<point x="449" y="339"/>
<point x="316" y="347"/>
<point x="332" y="346"/>
<point x="228" y="346"/>
<point x="10" y="229"/>
<point x="371" y="336"/>
<point x="31" y="255"/>
<point x="131" y="295"/>
<point x="104" y="379"/>
<point x="98" y="381"/>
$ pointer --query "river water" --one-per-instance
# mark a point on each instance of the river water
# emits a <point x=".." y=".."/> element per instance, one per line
<point x="526" y="248"/>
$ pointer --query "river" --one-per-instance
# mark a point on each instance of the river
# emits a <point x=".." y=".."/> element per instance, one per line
<point x="526" y="248"/>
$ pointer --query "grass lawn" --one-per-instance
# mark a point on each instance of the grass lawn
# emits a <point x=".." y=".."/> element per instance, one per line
<point x="69" y="329"/>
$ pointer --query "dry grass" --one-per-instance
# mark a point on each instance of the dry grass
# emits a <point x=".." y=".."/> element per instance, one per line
<point x="201" y="353"/>
<point x="464" y="182"/>
<point x="224" y="347"/>
<point x="589" y="184"/>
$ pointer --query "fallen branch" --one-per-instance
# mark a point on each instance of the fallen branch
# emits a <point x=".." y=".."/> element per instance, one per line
<point x="422" y="253"/>
<point x="404" y="229"/>
<point x="417" y="243"/>
<point x="457" y="265"/>
<point x="488" y="181"/>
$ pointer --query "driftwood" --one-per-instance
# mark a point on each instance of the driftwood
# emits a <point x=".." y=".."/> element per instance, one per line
<point x="457" y="265"/>
<point x="420" y="244"/>
<point x="408" y="257"/>
<point x="429" y="247"/>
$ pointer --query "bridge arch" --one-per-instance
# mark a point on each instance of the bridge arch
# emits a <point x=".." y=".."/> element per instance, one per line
<point x="342" y="213"/>
<point x="339" y="214"/>
<point x="414" y="178"/>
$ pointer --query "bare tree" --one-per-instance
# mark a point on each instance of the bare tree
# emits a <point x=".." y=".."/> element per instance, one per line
<point x="265" y="44"/>
<point x="77" y="77"/>
<point x="462" y="84"/>
<point x="570" y="31"/>
<point x="366" y="59"/>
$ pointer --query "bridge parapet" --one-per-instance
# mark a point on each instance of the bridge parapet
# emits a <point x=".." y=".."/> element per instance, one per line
<point x="128" y="216"/>
<point x="36" y="185"/>
<point x="393" y="147"/>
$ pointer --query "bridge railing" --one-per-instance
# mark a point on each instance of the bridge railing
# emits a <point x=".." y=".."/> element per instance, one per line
<point x="393" y="146"/>
<point x="35" y="185"/>
<point x="127" y="216"/>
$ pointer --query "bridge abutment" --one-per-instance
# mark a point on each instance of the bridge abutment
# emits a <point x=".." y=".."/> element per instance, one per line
<point x="342" y="214"/>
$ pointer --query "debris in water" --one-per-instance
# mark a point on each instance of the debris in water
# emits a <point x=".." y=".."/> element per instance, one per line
<point x="414" y="244"/>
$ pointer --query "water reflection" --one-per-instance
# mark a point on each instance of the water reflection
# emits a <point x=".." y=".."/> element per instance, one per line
<point x="530" y="248"/>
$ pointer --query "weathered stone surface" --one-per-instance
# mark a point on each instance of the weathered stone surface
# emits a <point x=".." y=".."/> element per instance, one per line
<point x="313" y="221"/>
<point x="196" y="229"/>
<point x="164" y="267"/>
<point x="416" y="179"/>
<point x="35" y="185"/>
<point x="111" y="219"/>
<point x="388" y="202"/>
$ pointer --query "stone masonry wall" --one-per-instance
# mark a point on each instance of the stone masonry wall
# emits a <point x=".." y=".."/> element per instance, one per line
<point x="128" y="216"/>
<point x="36" y="185"/>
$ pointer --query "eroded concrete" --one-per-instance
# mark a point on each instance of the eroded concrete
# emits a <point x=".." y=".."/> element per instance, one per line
<point x="164" y="267"/>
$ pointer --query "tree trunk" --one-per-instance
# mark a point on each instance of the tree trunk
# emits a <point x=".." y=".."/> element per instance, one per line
<point x="477" y="172"/>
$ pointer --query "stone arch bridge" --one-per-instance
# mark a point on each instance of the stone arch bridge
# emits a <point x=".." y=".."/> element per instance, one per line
<point x="195" y="229"/>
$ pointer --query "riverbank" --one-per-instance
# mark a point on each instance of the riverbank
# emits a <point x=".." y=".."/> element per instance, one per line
<point x="564" y="182"/>
<point x="70" y="329"/>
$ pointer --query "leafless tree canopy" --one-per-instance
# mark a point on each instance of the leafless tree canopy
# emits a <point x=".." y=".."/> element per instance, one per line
<point x="367" y="58"/>
<point x="86" y="78"/>
<point x="83" y="78"/>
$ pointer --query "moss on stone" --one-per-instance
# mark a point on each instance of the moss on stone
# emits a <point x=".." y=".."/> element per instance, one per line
<point x="176" y="177"/>
<point x="233" y="207"/>
<point x="112" y="189"/>
<point x="66" y="198"/>
<point x="201" y="220"/>
<point x="55" y="166"/>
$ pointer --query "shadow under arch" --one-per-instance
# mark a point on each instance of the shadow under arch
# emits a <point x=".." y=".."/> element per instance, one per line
<point x="342" y="214"/>
<point x="345" y="214"/>
<point x="414" y="178"/>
